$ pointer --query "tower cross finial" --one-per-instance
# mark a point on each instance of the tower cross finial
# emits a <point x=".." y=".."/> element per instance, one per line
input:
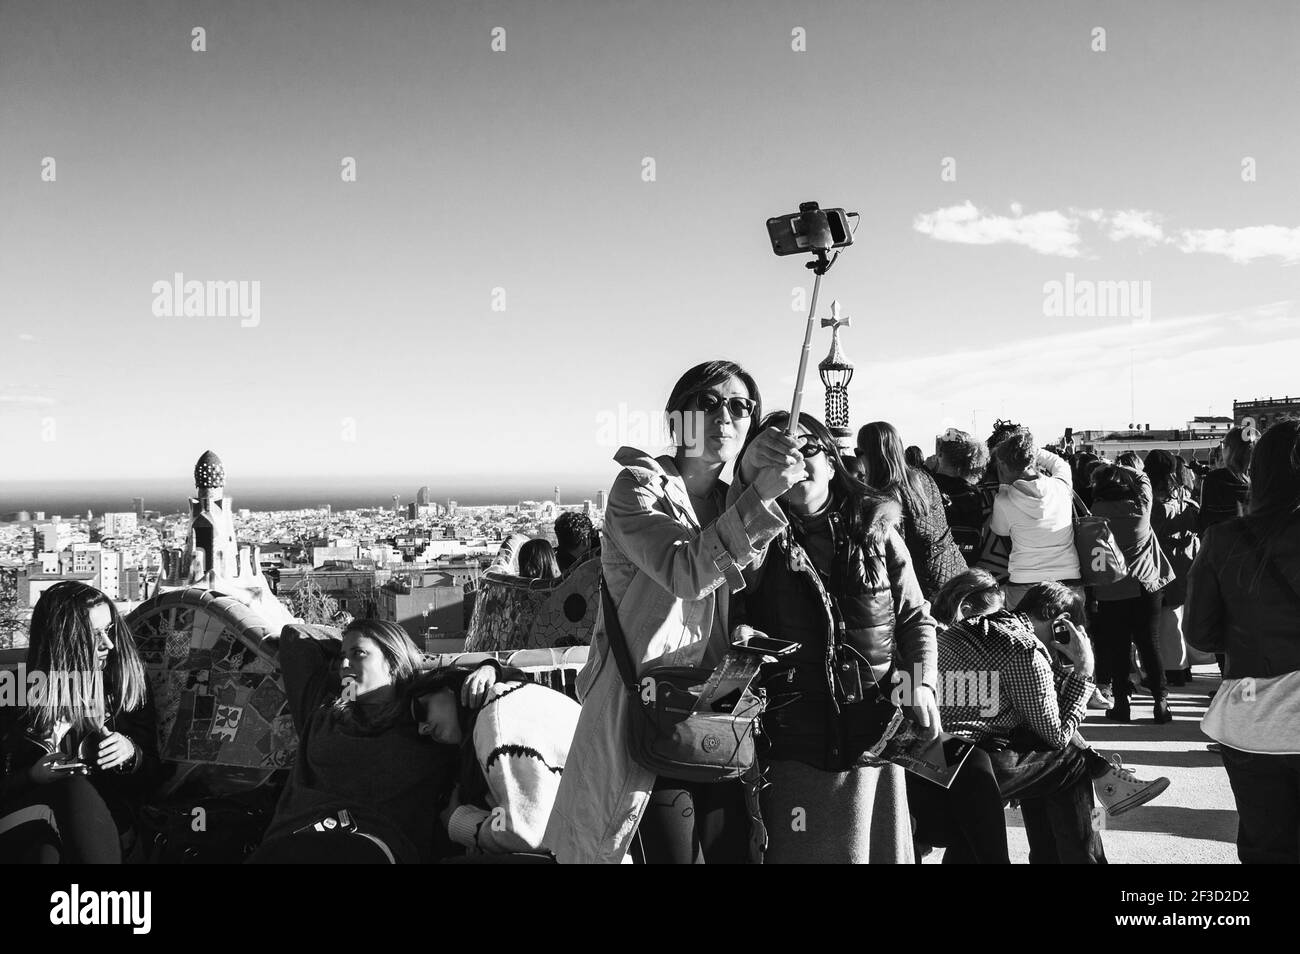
<point x="835" y="322"/>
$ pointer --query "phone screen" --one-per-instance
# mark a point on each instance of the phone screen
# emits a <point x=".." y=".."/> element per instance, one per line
<point x="767" y="645"/>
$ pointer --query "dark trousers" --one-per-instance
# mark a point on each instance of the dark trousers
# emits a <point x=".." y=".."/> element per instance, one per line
<point x="1122" y="624"/>
<point x="1054" y="787"/>
<point x="966" y="817"/>
<point x="692" y="823"/>
<point x="69" y="821"/>
<point x="1267" y="790"/>
<point x="319" y="848"/>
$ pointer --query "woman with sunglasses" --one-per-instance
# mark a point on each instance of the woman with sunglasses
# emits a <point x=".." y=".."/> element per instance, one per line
<point x="674" y="546"/>
<point x="79" y="758"/>
<point x="838" y="581"/>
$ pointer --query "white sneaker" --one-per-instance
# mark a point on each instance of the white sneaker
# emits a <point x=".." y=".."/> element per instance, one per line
<point x="1120" y="790"/>
<point x="1101" y="699"/>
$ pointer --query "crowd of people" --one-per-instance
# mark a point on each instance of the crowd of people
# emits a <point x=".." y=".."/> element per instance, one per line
<point x="870" y="563"/>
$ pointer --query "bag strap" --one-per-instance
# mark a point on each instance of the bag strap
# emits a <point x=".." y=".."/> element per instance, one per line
<point x="1270" y="565"/>
<point x="617" y="641"/>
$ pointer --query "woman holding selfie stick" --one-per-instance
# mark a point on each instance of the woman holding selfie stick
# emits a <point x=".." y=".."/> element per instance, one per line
<point x="838" y="581"/>
<point x="674" y="546"/>
<point x="78" y="760"/>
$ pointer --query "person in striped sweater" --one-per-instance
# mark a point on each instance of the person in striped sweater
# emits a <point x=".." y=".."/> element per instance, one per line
<point x="513" y="752"/>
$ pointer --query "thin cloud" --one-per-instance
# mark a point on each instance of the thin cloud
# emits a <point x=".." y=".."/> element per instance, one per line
<point x="1133" y="223"/>
<point x="1054" y="232"/>
<point x="1244" y="245"/>
<point x="1048" y="233"/>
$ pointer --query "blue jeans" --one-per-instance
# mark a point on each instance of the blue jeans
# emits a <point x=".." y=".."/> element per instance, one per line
<point x="1054" y="787"/>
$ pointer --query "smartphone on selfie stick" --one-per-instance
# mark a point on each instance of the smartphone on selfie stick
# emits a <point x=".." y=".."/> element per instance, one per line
<point x="817" y="230"/>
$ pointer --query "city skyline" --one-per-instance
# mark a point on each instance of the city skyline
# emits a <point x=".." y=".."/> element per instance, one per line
<point x="1004" y="159"/>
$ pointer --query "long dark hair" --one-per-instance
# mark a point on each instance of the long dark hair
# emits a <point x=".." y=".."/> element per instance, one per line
<point x="1112" y="482"/>
<point x="1275" y="486"/>
<point x="701" y="378"/>
<point x="856" y="501"/>
<point x="1167" y="474"/>
<point x="881" y="450"/>
<point x="537" y="560"/>
<point x="473" y="784"/>
<point x="62" y="646"/>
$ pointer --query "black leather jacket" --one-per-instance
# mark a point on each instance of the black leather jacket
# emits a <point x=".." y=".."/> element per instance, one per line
<point x="1238" y="607"/>
<point x="851" y="629"/>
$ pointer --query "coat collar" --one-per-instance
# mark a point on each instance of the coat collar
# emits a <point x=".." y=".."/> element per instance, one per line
<point x="661" y="473"/>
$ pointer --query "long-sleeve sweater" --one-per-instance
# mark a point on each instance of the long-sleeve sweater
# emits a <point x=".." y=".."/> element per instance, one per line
<point x="521" y="741"/>
<point x="391" y="781"/>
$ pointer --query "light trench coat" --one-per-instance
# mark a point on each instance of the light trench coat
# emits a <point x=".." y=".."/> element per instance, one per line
<point x="669" y="579"/>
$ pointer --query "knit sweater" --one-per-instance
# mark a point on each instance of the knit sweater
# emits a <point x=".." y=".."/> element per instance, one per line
<point x="521" y="741"/>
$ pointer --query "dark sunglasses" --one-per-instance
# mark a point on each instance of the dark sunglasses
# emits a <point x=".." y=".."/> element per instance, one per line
<point x="811" y="448"/>
<point x="737" y="407"/>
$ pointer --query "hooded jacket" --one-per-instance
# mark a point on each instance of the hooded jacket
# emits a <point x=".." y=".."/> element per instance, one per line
<point x="1038" y="516"/>
<point x="671" y="580"/>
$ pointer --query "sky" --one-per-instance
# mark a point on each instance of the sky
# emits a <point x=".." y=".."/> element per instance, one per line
<point x="506" y="289"/>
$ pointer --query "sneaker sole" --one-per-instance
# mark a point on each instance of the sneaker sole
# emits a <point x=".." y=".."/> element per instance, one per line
<point x="1141" y="798"/>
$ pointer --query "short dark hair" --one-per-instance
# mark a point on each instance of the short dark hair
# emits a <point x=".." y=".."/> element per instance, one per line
<point x="702" y="377"/>
<point x="573" y="530"/>
<point x="1113" y="482"/>
<point x="1049" y="600"/>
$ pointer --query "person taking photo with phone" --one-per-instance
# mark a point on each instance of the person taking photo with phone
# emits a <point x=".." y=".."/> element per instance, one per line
<point x="838" y="581"/>
<point x="673" y="549"/>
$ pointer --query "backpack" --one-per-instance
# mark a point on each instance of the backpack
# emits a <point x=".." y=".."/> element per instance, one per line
<point x="965" y="514"/>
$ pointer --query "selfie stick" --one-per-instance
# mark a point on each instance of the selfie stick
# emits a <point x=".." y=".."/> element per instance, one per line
<point x="819" y="267"/>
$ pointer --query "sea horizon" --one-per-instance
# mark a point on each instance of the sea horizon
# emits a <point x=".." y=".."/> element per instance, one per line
<point x="70" y="498"/>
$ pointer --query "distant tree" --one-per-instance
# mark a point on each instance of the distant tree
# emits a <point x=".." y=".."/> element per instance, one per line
<point x="311" y="604"/>
<point x="13" y="618"/>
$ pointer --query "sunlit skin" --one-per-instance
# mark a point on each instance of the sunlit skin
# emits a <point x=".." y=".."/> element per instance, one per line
<point x="101" y="623"/>
<point x="711" y="441"/>
<point x="811" y="494"/>
<point x="364" y="670"/>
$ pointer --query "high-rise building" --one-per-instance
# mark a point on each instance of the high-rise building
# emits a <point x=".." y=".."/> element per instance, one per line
<point x="557" y="496"/>
<point x="413" y="510"/>
<point x="587" y="508"/>
<point x="451" y="508"/>
<point x="600" y="500"/>
<point x="137" y="503"/>
<point x="422" y="497"/>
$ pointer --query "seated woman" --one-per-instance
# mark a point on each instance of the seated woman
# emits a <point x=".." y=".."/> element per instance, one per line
<point x="537" y="561"/>
<point x="78" y="760"/>
<point x="512" y="753"/>
<point x="365" y="786"/>
<point x="1030" y="729"/>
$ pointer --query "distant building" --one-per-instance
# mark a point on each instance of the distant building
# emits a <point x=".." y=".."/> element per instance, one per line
<point x="31" y="583"/>
<point x="1264" y="411"/>
<point x="435" y="601"/>
<point x="117" y="524"/>
<point x="451" y="508"/>
<point x="587" y="508"/>
<point x="557" y="497"/>
<point x="413" y="510"/>
<point x="422" y="497"/>
<point x="55" y="536"/>
<point x="354" y="588"/>
<point x="600" y="500"/>
<point x="137" y="504"/>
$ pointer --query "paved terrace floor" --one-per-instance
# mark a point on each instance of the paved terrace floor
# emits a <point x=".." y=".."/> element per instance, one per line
<point x="1195" y="820"/>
